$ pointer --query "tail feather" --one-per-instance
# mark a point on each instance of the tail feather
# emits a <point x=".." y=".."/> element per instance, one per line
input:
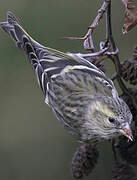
<point x="24" y="42"/>
<point x="11" y="18"/>
<point x="14" y="29"/>
<point x="45" y="61"/>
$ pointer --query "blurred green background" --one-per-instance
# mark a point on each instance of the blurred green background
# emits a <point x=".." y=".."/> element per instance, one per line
<point x="33" y="145"/>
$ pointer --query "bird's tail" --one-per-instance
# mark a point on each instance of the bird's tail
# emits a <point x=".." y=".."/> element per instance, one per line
<point x="45" y="61"/>
<point x="27" y="44"/>
<point x="14" y="29"/>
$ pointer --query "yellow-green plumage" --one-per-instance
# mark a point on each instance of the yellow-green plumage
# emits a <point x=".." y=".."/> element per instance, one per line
<point x="83" y="99"/>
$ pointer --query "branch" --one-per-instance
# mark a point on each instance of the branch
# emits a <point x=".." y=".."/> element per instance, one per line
<point x="115" y="57"/>
<point x="88" y="40"/>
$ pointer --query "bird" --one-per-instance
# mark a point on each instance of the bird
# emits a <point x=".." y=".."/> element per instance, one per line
<point x="82" y="97"/>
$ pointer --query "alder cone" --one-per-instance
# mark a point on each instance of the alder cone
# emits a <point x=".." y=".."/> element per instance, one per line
<point x="129" y="71"/>
<point x="129" y="68"/>
<point x="123" y="171"/>
<point x="84" y="160"/>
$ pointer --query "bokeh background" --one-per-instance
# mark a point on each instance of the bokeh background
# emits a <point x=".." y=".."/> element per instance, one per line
<point x="33" y="145"/>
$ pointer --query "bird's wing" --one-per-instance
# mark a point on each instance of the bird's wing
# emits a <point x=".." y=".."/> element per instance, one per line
<point x="68" y="82"/>
<point x="70" y="93"/>
<point x="48" y="62"/>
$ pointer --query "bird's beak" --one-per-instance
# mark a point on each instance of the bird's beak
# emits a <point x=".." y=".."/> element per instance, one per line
<point x="126" y="131"/>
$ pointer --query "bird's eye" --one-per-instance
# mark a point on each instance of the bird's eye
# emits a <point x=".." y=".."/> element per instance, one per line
<point x="111" y="120"/>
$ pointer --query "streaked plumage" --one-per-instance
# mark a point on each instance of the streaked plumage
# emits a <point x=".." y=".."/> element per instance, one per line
<point x="81" y="96"/>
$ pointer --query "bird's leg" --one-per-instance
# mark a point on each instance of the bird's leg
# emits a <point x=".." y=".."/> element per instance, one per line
<point x="104" y="51"/>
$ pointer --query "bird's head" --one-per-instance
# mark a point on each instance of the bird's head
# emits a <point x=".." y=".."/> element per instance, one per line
<point x="110" y="117"/>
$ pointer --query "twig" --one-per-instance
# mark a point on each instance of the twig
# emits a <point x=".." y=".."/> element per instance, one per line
<point x="111" y="39"/>
<point x="124" y="3"/>
<point x="115" y="57"/>
<point x="96" y="54"/>
<point x="88" y="40"/>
